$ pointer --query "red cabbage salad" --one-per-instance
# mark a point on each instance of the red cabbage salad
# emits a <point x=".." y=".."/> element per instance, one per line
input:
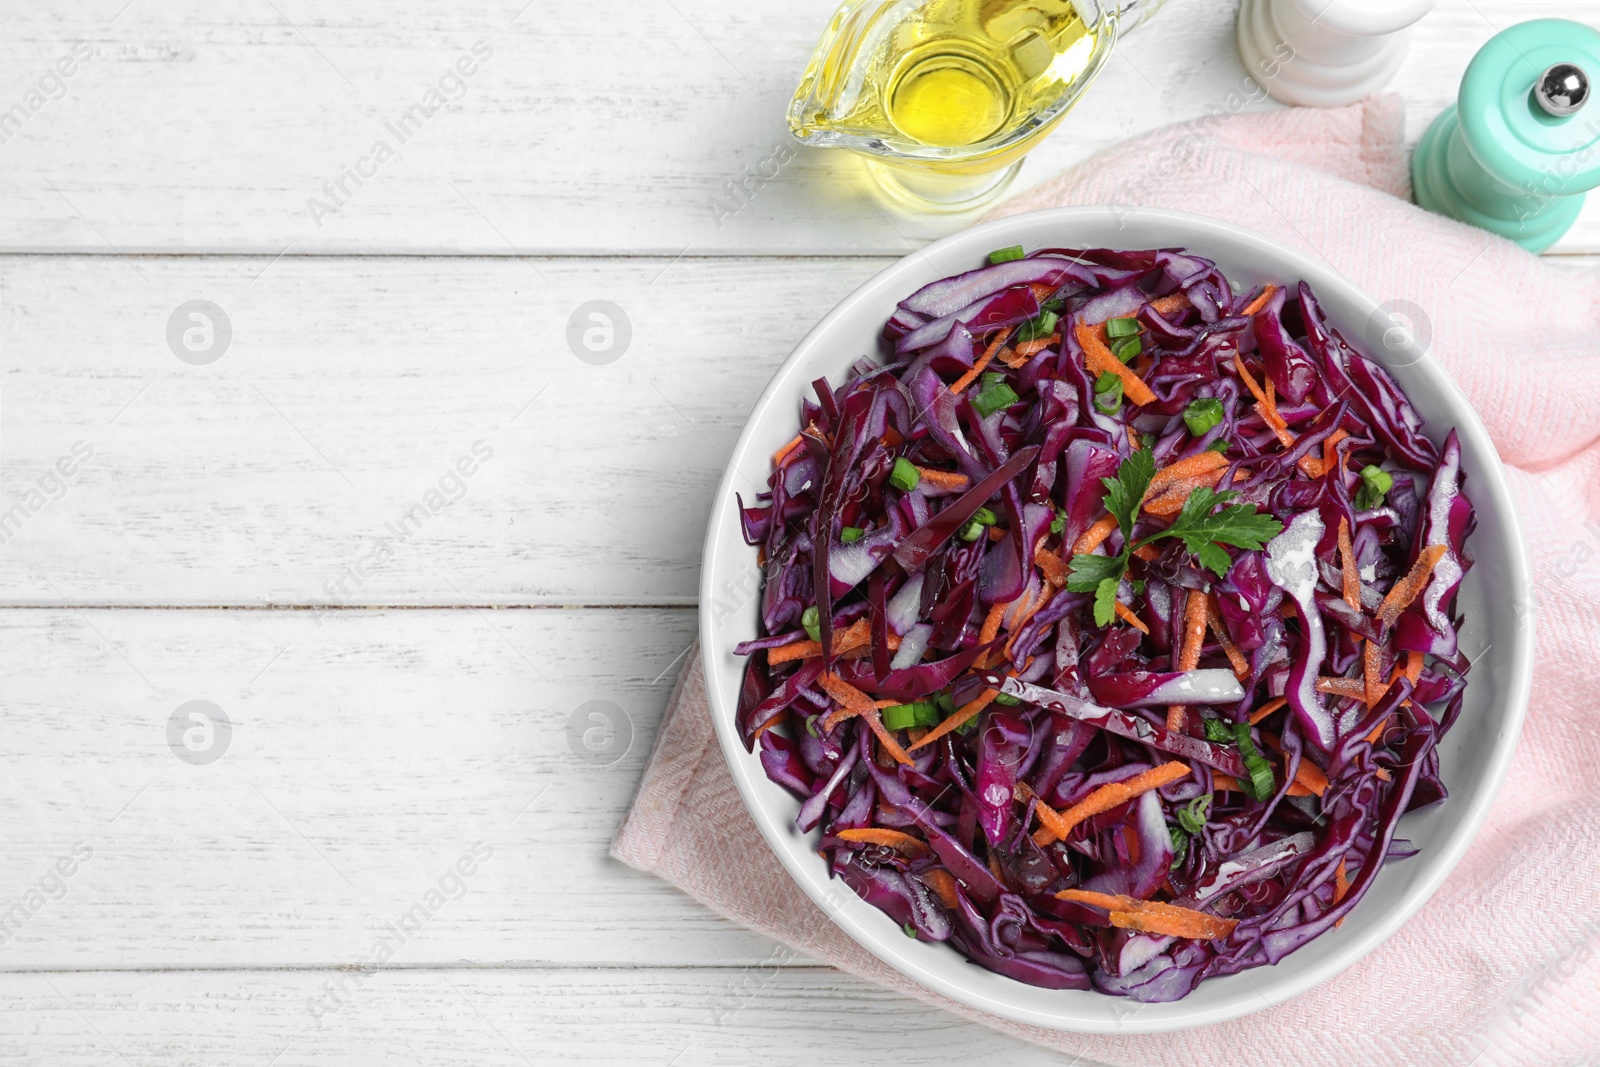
<point x="1108" y="622"/>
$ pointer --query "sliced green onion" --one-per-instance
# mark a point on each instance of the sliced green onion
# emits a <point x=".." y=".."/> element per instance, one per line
<point x="848" y="534"/>
<point x="811" y="619"/>
<point x="945" y="702"/>
<point x="909" y="930"/>
<point x="991" y="377"/>
<point x="972" y="531"/>
<point x="1375" y="485"/>
<point x="1201" y="415"/>
<point x="1180" y="846"/>
<point x="1217" y="731"/>
<point x="1006" y="255"/>
<point x="1039" y="327"/>
<point x="928" y="713"/>
<point x="811" y="727"/>
<point x="1219" y="445"/>
<point x="1007" y="699"/>
<point x="985" y="516"/>
<point x="904" y="475"/>
<point x="1193" y="817"/>
<point x="1261" y="784"/>
<point x="992" y="398"/>
<point x="1123" y="327"/>
<point x="1058" y="523"/>
<point x="900" y="716"/>
<point x="1125" y="348"/>
<point x="1108" y="394"/>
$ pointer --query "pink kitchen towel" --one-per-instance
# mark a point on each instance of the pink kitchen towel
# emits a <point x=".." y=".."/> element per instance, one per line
<point x="1503" y="965"/>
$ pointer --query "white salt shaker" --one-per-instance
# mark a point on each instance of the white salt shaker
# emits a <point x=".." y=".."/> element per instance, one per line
<point x="1322" y="53"/>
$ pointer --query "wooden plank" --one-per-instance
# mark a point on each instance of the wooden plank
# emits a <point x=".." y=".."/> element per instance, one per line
<point x="600" y="1017"/>
<point x="366" y="756"/>
<point x="611" y="126"/>
<point x="350" y="390"/>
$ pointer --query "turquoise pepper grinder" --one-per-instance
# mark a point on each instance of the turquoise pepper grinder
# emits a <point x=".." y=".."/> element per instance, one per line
<point x="1522" y="145"/>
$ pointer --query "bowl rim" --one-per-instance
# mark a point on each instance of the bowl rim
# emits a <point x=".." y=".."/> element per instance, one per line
<point x="1439" y="860"/>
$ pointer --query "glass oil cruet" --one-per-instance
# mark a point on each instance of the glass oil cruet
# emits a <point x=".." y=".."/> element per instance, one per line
<point x="943" y="98"/>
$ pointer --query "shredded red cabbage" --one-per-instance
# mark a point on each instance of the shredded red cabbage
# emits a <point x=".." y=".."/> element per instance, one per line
<point x="1279" y="620"/>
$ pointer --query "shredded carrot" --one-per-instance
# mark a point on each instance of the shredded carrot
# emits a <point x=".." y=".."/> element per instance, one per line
<point x="1172" y="500"/>
<point x="864" y="706"/>
<point x="1052" y="566"/>
<point x="892" y="438"/>
<point x="783" y="453"/>
<point x="1133" y="436"/>
<point x="1316" y="468"/>
<point x="874" y="723"/>
<point x="1194" y="636"/>
<point x="958" y="718"/>
<point x="1353" y="688"/>
<point x="1349" y="573"/>
<point x="1219" y="628"/>
<point x="1166" y="305"/>
<point x="1266" y="405"/>
<point x="857" y="634"/>
<point x="1194" y="630"/>
<point x="1100" y="360"/>
<point x="1095" y="536"/>
<point x="1411" y="672"/>
<point x="1272" y="401"/>
<point x="1011" y="358"/>
<point x="900" y="842"/>
<point x="1020" y="608"/>
<point x="1146" y="552"/>
<point x="864" y="648"/>
<point x="1341" y="886"/>
<point x="1029" y="349"/>
<point x="991" y="624"/>
<point x="1249" y="381"/>
<point x="1372" y="671"/>
<point x="943" y="884"/>
<point x="1126" y="614"/>
<point x="1307" y="774"/>
<point x="944" y="479"/>
<point x="1107" y="797"/>
<point x="1183" y="470"/>
<point x="1154" y="917"/>
<point x="1021" y="620"/>
<point x="997" y="533"/>
<point x="846" y="694"/>
<point x="983" y="361"/>
<point x="1049" y="818"/>
<point x="1285" y="438"/>
<point x="1411" y="586"/>
<point x="1261" y="301"/>
<point x="1267" y="709"/>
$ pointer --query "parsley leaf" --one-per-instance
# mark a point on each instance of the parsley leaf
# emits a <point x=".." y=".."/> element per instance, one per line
<point x="1202" y="528"/>
<point x="1088" y="571"/>
<point x="1125" y="492"/>
<point x="1203" y="532"/>
<point x="1105" y="601"/>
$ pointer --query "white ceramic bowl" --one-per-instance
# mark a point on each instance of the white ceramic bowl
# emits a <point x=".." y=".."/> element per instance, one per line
<point x="1497" y="634"/>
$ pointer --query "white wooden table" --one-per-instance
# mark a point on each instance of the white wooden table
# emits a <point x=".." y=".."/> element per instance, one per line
<point x="396" y="705"/>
